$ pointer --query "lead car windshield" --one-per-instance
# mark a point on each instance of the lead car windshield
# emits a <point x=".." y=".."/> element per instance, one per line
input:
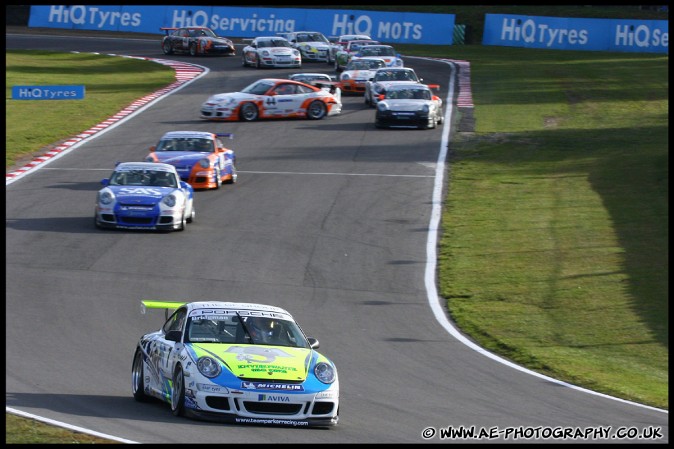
<point x="235" y="329"/>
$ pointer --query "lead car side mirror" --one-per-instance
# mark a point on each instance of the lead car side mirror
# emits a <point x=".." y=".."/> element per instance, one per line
<point x="313" y="342"/>
<point x="174" y="335"/>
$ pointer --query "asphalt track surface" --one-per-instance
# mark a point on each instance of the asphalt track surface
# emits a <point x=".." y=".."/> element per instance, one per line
<point x="329" y="219"/>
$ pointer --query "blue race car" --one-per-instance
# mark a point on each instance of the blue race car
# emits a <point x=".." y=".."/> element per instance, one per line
<point x="201" y="158"/>
<point x="144" y="195"/>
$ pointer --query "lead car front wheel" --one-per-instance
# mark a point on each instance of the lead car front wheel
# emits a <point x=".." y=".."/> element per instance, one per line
<point x="178" y="392"/>
<point x="137" y="377"/>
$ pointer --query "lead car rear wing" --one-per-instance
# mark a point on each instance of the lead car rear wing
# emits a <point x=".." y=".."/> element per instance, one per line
<point x="166" y="305"/>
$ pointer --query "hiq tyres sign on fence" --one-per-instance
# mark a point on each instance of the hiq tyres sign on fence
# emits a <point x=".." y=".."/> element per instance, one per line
<point x="48" y="92"/>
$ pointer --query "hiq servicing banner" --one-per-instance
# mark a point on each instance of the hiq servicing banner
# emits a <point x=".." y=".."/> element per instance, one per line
<point x="403" y="28"/>
<point x="623" y="35"/>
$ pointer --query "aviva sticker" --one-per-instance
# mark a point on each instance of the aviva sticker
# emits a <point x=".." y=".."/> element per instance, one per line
<point x="48" y="92"/>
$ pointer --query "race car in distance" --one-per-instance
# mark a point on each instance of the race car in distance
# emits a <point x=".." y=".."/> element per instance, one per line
<point x="340" y="43"/>
<point x="383" y="78"/>
<point x="314" y="46"/>
<point x="242" y="363"/>
<point x="409" y="105"/>
<point x="357" y="72"/>
<point x="321" y="80"/>
<point x="200" y="158"/>
<point x="144" y="195"/>
<point x="272" y="98"/>
<point x="195" y="41"/>
<point x="386" y="52"/>
<point x="343" y="56"/>
<point x="311" y="78"/>
<point x="270" y="51"/>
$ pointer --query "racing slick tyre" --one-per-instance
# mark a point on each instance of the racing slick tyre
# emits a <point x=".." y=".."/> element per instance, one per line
<point x="183" y="223"/>
<point x="316" y="110"/>
<point x="193" y="213"/>
<point x="167" y="48"/>
<point x="137" y="375"/>
<point x="429" y="125"/>
<point x="248" y="112"/>
<point x="178" y="392"/>
<point x="218" y="178"/>
<point x="367" y="99"/>
<point x="193" y="49"/>
<point x="232" y="180"/>
<point x="257" y="62"/>
<point x="243" y="61"/>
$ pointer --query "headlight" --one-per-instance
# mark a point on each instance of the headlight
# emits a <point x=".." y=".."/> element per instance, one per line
<point x="425" y="109"/>
<point x="204" y="163"/>
<point x="399" y="62"/>
<point x="382" y="106"/>
<point x="325" y="372"/>
<point x="296" y="53"/>
<point x="208" y="367"/>
<point x="378" y="89"/>
<point x="221" y="101"/>
<point x="169" y="200"/>
<point x="345" y="76"/>
<point x="106" y="197"/>
<point x="265" y="52"/>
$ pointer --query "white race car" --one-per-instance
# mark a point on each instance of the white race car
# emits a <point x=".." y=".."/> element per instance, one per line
<point x="273" y="98"/>
<point x="409" y="105"/>
<point x="357" y="72"/>
<point x="383" y="78"/>
<point x="235" y="362"/>
<point x="270" y="51"/>
<point x="314" y="46"/>
<point x="386" y="52"/>
<point x="344" y="55"/>
<point x="341" y="41"/>
<point x="312" y="78"/>
<point x="144" y="195"/>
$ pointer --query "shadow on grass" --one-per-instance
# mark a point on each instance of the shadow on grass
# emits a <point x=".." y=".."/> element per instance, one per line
<point x="628" y="169"/>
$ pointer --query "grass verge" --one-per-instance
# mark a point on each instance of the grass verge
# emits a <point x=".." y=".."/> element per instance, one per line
<point x="21" y="430"/>
<point x="111" y="82"/>
<point x="555" y="227"/>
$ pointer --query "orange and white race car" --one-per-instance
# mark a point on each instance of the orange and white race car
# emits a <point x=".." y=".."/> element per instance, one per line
<point x="200" y="157"/>
<point x="273" y="98"/>
<point x="357" y="72"/>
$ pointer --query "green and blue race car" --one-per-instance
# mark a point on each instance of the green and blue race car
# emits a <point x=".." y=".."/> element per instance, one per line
<point x="235" y="362"/>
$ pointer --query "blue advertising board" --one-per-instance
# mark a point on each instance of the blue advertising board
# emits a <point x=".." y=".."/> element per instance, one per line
<point x="618" y="35"/>
<point x="247" y="22"/>
<point x="75" y="92"/>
